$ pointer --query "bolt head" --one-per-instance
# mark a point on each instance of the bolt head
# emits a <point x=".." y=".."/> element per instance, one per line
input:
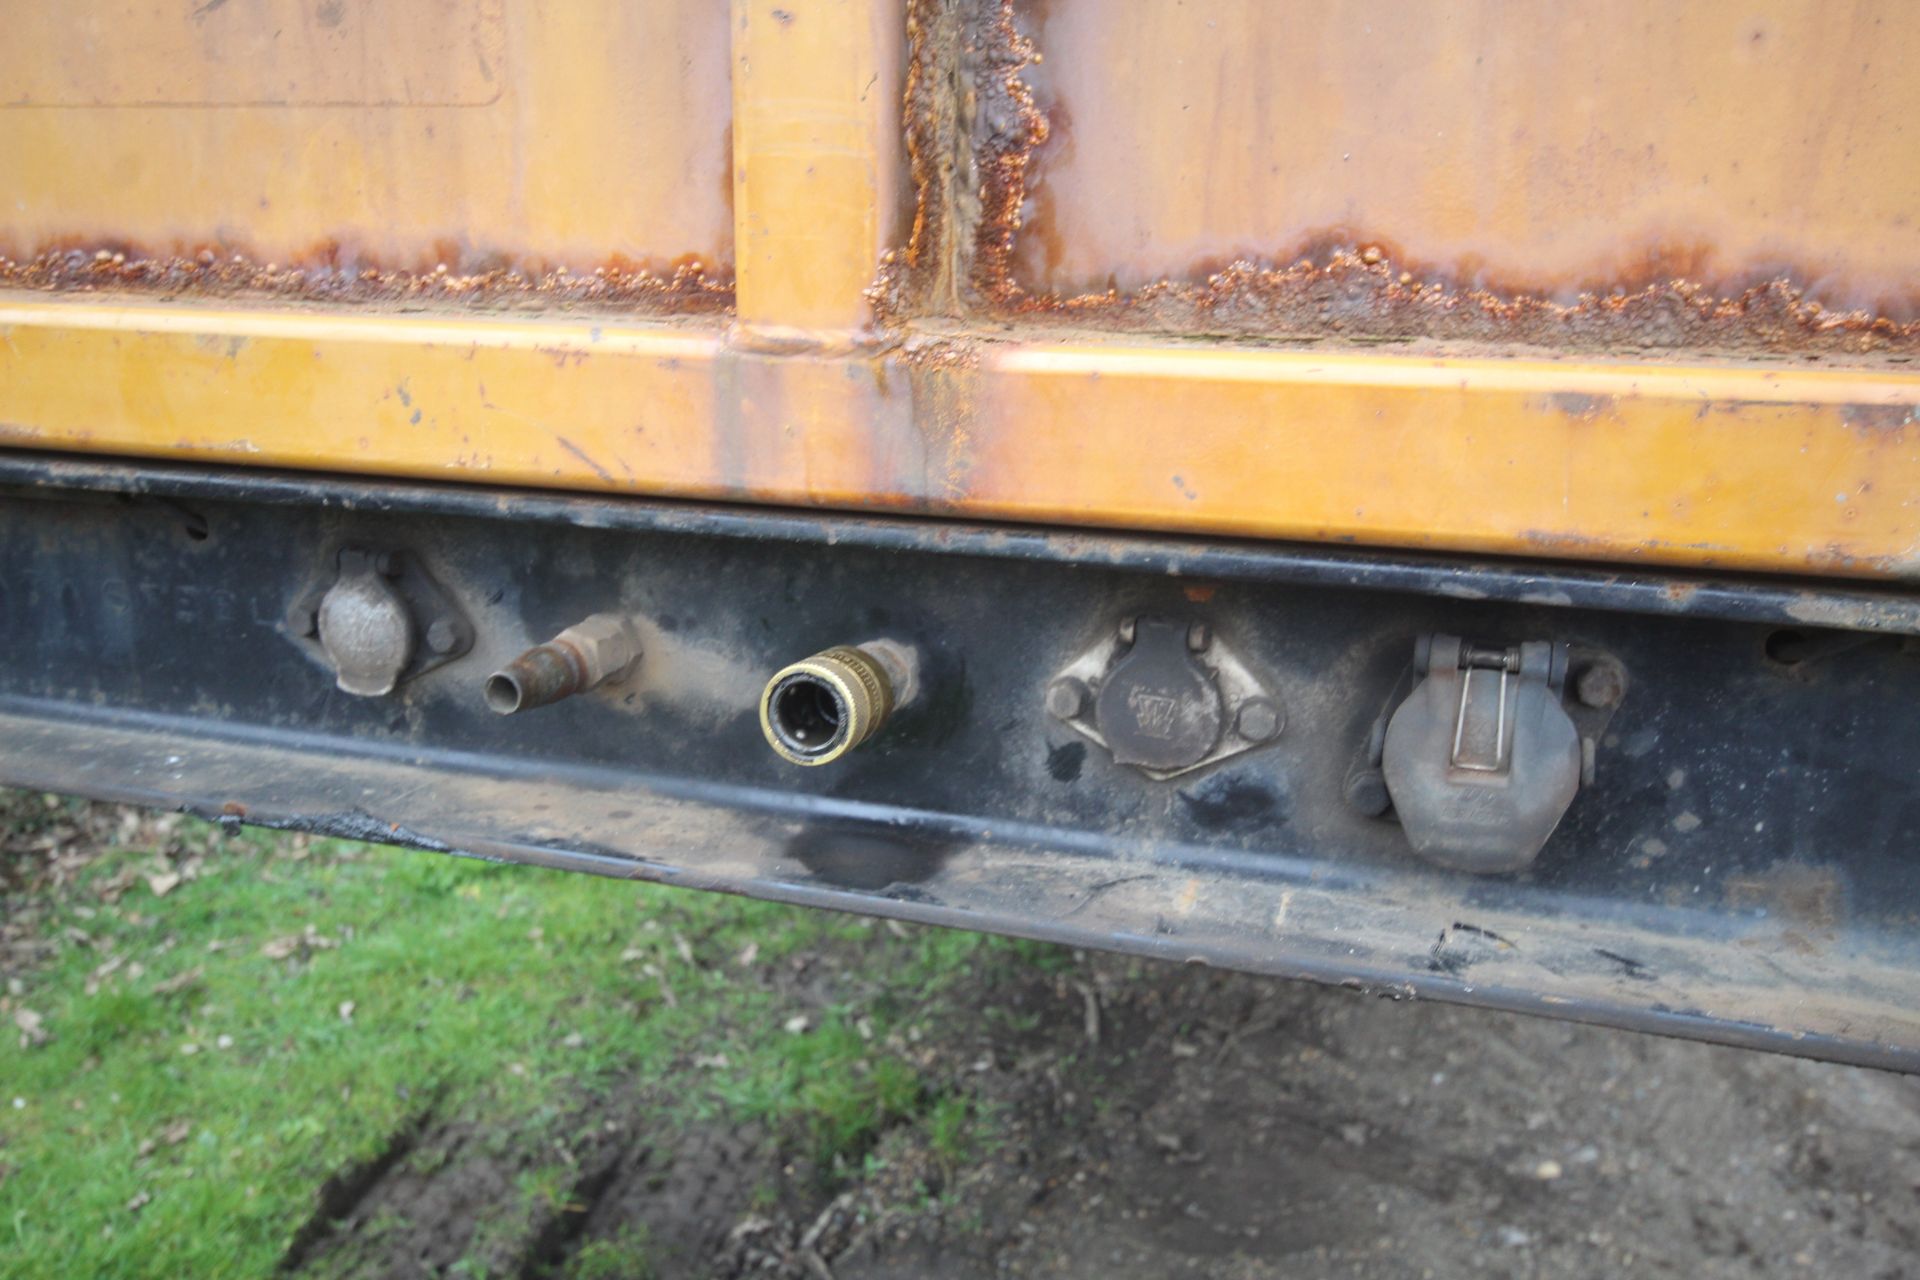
<point x="1066" y="698"/>
<point x="1601" y="684"/>
<point x="1127" y="630"/>
<point x="443" y="636"/>
<point x="1199" y="636"/>
<point x="1366" y="793"/>
<point x="1259" y="720"/>
<point x="303" y="620"/>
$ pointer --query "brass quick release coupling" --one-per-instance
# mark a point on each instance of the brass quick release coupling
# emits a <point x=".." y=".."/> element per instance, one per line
<point x="822" y="707"/>
<point x="603" y="648"/>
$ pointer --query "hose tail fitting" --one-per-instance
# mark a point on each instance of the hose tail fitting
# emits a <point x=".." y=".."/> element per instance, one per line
<point x="604" y="648"/>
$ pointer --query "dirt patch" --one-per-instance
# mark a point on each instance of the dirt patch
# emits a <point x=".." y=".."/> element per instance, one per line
<point x="1232" y="1127"/>
<point x="1136" y="1120"/>
<point x="458" y="1198"/>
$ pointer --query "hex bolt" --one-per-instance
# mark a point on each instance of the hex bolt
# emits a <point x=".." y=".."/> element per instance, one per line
<point x="444" y="635"/>
<point x="1601" y="684"/>
<point x="1126" y="630"/>
<point x="1366" y="793"/>
<point x="1199" y="636"/>
<point x="1067" y="698"/>
<point x="303" y="619"/>
<point x="1259" y="720"/>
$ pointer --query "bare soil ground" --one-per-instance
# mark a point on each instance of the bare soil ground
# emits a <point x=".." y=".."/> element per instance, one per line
<point x="1154" y="1121"/>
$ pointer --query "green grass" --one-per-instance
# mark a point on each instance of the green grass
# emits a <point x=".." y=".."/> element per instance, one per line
<point x="279" y="1017"/>
<point x="612" y="1259"/>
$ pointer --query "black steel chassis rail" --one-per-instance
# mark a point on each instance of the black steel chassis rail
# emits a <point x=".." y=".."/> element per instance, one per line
<point x="1740" y="869"/>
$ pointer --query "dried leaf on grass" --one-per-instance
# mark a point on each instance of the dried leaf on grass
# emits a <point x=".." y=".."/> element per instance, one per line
<point x="172" y="1136"/>
<point x="308" y="941"/>
<point x="178" y="982"/>
<point x="32" y="1029"/>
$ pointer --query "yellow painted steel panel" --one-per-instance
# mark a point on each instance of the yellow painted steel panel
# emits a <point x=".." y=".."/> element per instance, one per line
<point x="1804" y="470"/>
<point x="527" y="404"/>
<point x="208" y="53"/>
<point x="1719" y="467"/>
<point x="613" y="137"/>
<point x="1534" y="149"/>
<point x="820" y="174"/>
<point x="475" y="133"/>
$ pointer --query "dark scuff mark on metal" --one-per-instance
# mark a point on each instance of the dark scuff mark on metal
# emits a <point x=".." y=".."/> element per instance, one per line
<point x="1460" y="946"/>
<point x="1628" y="966"/>
<point x="587" y="458"/>
<point x="976" y="129"/>
<point x="1577" y="404"/>
<point x="1488" y="934"/>
<point x="352" y="824"/>
<point x="330" y="273"/>
<point x="1880" y="417"/>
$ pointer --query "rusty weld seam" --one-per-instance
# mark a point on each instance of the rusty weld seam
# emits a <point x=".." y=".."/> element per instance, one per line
<point x="971" y="126"/>
<point x="330" y="273"/>
<point x="975" y="130"/>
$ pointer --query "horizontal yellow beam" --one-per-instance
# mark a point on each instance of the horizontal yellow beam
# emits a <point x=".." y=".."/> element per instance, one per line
<point x="1775" y="469"/>
<point x="1782" y="469"/>
<point x="561" y="405"/>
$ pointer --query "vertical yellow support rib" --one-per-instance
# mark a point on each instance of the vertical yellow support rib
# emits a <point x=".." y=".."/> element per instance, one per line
<point x="819" y="175"/>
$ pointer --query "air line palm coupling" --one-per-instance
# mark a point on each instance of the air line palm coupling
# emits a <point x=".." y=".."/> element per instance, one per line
<point x="822" y="707"/>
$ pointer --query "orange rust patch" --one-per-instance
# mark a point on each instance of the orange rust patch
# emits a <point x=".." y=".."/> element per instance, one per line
<point x="972" y="128"/>
<point x="1812" y="897"/>
<point x="328" y="273"/>
<point x="1338" y="293"/>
